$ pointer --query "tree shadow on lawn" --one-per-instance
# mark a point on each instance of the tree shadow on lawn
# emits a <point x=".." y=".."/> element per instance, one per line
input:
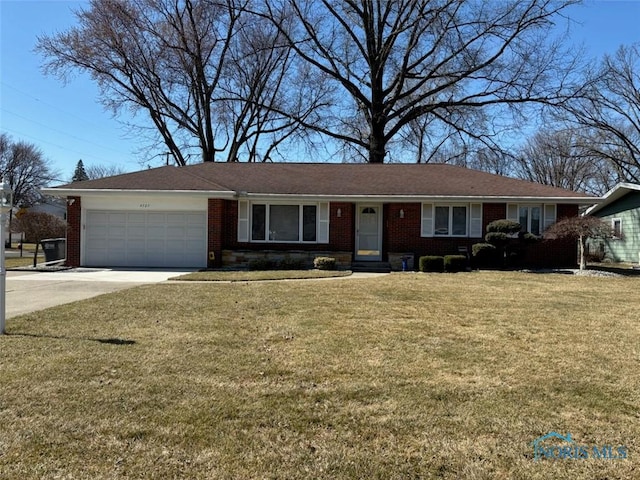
<point x="108" y="341"/>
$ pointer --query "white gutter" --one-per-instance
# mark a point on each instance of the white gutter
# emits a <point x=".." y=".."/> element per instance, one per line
<point x="89" y="192"/>
<point x="230" y="195"/>
<point x="418" y="198"/>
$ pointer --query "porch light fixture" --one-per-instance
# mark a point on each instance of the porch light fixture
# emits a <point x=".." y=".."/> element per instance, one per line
<point x="339" y="213"/>
<point x="6" y="202"/>
<point x="401" y="213"/>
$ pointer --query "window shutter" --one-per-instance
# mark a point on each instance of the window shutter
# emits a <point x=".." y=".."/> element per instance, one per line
<point x="323" y="223"/>
<point x="243" y="221"/>
<point x="512" y="213"/>
<point x="475" y="220"/>
<point x="427" y="220"/>
<point x="549" y="216"/>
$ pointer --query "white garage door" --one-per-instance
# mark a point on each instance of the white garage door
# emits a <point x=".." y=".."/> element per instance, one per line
<point x="145" y="239"/>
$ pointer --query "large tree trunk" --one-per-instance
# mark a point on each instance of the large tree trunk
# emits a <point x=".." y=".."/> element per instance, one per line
<point x="583" y="252"/>
<point x="377" y="142"/>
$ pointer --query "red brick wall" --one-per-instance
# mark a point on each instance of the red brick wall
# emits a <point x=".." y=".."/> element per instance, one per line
<point x="401" y="235"/>
<point x="492" y="212"/>
<point x="215" y="229"/>
<point x="342" y="229"/>
<point x="74" y="229"/>
<point x="558" y="253"/>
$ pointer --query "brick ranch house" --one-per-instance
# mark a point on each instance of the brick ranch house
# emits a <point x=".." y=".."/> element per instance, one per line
<point x="225" y="214"/>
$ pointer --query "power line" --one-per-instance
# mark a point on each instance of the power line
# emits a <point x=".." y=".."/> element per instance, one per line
<point x="62" y="132"/>
<point x="82" y="154"/>
<point x="55" y="107"/>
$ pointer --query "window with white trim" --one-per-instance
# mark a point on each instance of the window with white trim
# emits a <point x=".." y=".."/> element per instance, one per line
<point x="616" y="227"/>
<point x="283" y="223"/>
<point x="529" y="218"/>
<point x="451" y="220"/>
<point x="533" y="218"/>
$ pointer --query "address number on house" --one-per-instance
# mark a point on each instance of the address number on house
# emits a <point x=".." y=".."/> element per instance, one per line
<point x="145" y="205"/>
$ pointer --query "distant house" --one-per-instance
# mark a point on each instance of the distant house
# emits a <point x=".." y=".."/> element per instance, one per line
<point x="620" y="207"/>
<point x="51" y="205"/>
<point x="221" y="214"/>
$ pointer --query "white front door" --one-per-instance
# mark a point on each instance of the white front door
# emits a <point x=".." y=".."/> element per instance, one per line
<point x="369" y="233"/>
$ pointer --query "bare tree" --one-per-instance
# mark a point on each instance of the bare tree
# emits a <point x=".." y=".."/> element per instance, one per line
<point x="171" y="59"/>
<point x="608" y="112"/>
<point x="261" y="79"/>
<point x="101" y="171"/>
<point x="559" y="158"/>
<point x="24" y="167"/>
<point x="581" y="229"/>
<point x="157" y="56"/>
<point x="393" y="63"/>
<point x="38" y="226"/>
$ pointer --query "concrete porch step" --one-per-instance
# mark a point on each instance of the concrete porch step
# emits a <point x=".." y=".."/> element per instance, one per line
<point x="371" y="267"/>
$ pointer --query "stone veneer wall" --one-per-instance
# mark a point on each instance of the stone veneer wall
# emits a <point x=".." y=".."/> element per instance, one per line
<point x="395" y="260"/>
<point x="242" y="258"/>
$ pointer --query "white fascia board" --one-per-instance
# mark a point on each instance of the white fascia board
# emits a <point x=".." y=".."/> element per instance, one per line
<point x="278" y="197"/>
<point x="415" y="198"/>
<point x="617" y="192"/>
<point x="92" y="192"/>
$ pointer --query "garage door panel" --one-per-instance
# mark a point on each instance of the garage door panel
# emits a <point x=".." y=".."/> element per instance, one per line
<point x="175" y="232"/>
<point x="136" y="244"/>
<point x="117" y="231"/>
<point x="145" y="239"/>
<point x="195" y="231"/>
<point x="155" y="231"/>
<point x="156" y="218"/>
<point x="136" y="231"/>
<point x="117" y="218"/>
<point x="136" y="217"/>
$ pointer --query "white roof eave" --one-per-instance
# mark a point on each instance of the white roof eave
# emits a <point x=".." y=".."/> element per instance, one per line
<point x="420" y="198"/>
<point x="94" y="192"/>
<point x="616" y="193"/>
<point x="229" y="195"/>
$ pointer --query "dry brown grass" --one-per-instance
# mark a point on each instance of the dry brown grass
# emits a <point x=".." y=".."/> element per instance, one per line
<point x="403" y="376"/>
<point x="255" y="275"/>
<point x="25" y="261"/>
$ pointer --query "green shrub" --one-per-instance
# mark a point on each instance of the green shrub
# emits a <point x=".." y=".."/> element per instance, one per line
<point x="455" y="263"/>
<point x="431" y="263"/>
<point x="324" y="263"/>
<point x="528" y="238"/>
<point x="261" y="264"/>
<point x="497" y="238"/>
<point x="484" y="255"/>
<point x="288" y="263"/>
<point x="508" y="227"/>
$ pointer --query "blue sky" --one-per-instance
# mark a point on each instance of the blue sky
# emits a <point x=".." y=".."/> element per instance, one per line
<point x="68" y="123"/>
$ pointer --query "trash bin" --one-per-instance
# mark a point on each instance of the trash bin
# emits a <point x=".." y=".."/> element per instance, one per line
<point x="55" y="249"/>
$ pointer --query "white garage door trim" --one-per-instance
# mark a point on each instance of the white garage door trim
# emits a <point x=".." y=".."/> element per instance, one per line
<point x="164" y="239"/>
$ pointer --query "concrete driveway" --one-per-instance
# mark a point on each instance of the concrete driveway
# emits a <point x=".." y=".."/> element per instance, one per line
<point x="31" y="291"/>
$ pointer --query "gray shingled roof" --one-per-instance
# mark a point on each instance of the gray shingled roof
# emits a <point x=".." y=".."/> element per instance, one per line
<point x="328" y="179"/>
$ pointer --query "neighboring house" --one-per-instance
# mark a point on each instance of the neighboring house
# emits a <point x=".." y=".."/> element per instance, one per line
<point x="52" y="206"/>
<point x="620" y="208"/>
<point x="220" y="214"/>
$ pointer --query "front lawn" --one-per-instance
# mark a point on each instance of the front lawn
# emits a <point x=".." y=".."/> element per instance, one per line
<point x="403" y="376"/>
<point x="25" y="261"/>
